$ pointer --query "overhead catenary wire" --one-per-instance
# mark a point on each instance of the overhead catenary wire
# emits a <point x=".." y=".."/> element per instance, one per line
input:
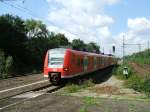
<point x="29" y="12"/>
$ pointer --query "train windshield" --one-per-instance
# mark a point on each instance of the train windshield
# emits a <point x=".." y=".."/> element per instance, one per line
<point x="56" y="57"/>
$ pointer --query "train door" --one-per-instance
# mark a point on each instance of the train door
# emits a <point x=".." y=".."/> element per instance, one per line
<point x="85" y="63"/>
<point x="95" y="62"/>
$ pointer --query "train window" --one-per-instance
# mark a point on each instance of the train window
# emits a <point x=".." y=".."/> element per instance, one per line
<point x="56" y="61"/>
<point x="56" y="57"/>
<point x="86" y="61"/>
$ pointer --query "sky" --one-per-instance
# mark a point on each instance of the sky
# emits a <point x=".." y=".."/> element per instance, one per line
<point x="105" y="22"/>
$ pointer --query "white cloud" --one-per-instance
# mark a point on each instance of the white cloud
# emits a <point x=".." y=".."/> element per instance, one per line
<point x="139" y="26"/>
<point x="138" y="34"/>
<point x="84" y="19"/>
<point x="139" y="29"/>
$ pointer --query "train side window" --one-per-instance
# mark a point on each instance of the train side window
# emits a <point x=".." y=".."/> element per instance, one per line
<point x="86" y="62"/>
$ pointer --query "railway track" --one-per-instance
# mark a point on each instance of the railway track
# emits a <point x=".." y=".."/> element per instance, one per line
<point x="22" y="88"/>
<point x="25" y="96"/>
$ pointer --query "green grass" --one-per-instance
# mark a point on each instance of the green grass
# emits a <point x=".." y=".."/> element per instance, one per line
<point x="119" y="71"/>
<point x="83" y="109"/>
<point x="73" y="88"/>
<point x="90" y="101"/>
<point x="133" y="81"/>
<point x="140" y="58"/>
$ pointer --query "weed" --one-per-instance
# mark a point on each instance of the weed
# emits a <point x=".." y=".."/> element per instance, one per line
<point x="146" y="86"/>
<point x="90" y="101"/>
<point x="119" y="71"/>
<point x="132" y="107"/>
<point x="88" y="83"/>
<point x="72" y="88"/>
<point x="134" y="82"/>
<point x="83" y="109"/>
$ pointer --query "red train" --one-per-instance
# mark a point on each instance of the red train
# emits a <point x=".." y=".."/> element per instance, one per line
<point x="61" y="63"/>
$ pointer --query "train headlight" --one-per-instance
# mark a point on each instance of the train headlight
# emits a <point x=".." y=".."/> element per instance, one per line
<point x="65" y="69"/>
<point x="54" y="69"/>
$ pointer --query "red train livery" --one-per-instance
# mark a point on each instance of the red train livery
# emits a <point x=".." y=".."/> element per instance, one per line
<point x="63" y="63"/>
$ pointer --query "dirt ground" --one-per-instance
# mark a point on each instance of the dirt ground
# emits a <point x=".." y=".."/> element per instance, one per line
<point x="57" y="103"/>
<point x="141" y="70"/>
<point x="112" y="88"/>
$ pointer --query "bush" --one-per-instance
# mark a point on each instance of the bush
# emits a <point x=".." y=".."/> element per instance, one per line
<point x="146" y="86"/>
<point x="134" y="82"/>
<point x="138" y="84"/>
<point x="119" y="71"/>
<point x="2" y="63"/>
<point x="8" y="65"/>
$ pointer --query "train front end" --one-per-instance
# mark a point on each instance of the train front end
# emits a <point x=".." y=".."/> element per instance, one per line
<point x="54" y="65"/>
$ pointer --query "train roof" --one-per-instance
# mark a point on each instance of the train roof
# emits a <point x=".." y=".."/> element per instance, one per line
<point x="80" y="52"/>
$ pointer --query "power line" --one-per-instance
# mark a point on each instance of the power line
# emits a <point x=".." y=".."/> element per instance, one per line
<point x="25" y="10"/>
<point x="123" y="48"/>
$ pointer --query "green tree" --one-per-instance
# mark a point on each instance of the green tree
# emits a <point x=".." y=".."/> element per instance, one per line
<point x="61" y="40"/>
<point x="78" y="44"/>
<point x="13" y="37"/>
<point x="93" y="47"/>
<point x="12" y="32"/>
<point x="37" y="48"/>
<point x="35" y="29"/>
